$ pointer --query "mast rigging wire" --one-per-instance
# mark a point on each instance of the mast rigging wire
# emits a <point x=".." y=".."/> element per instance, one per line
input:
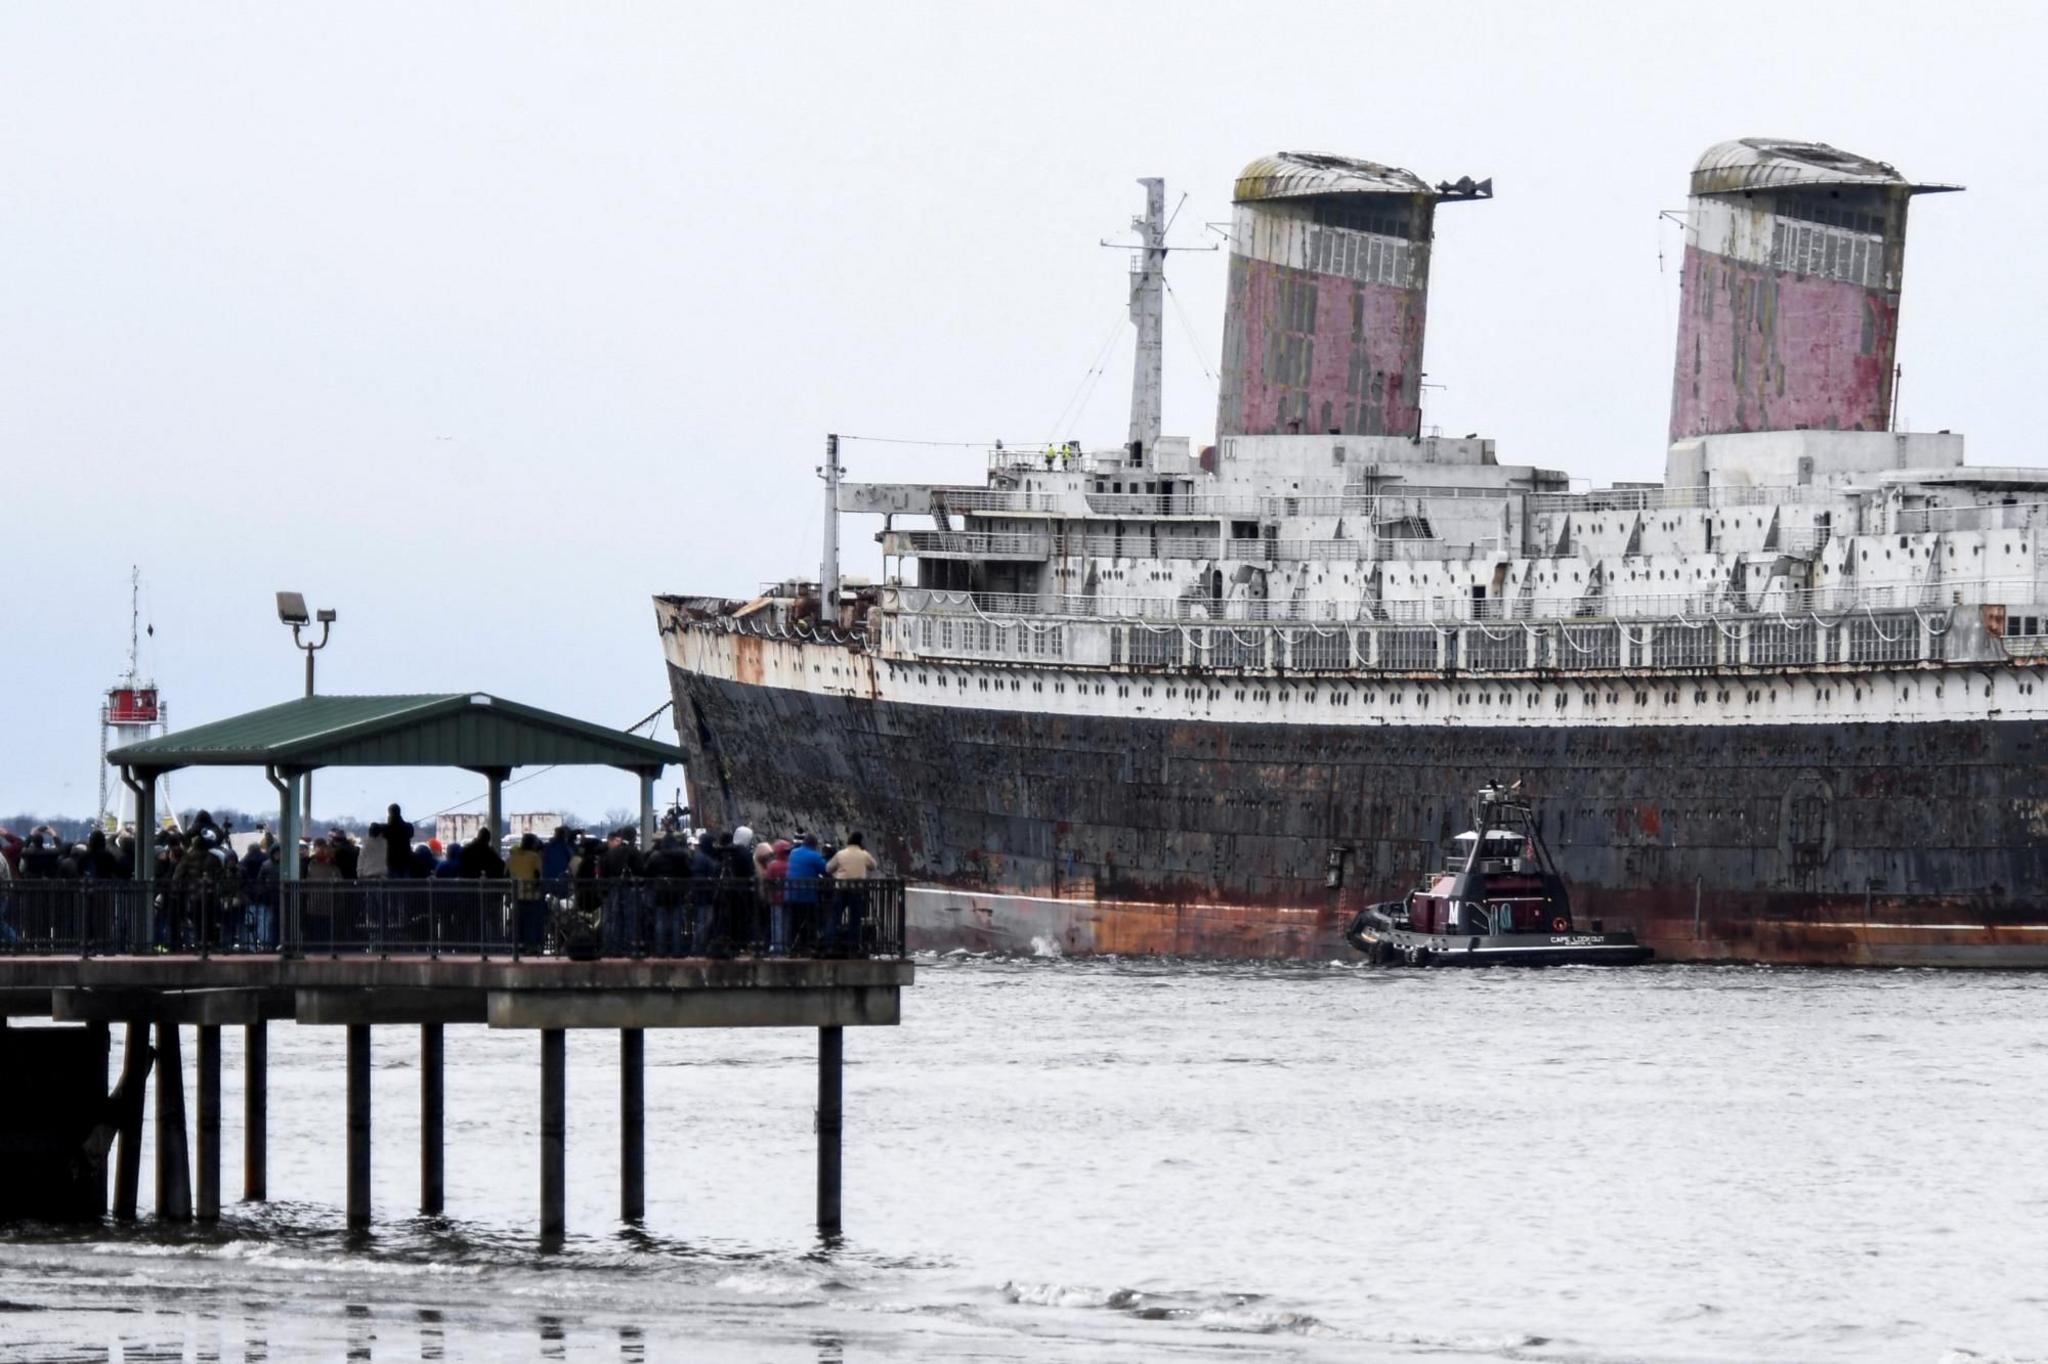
<point x="652" y="715"/>
<point x="1088" y="376"/>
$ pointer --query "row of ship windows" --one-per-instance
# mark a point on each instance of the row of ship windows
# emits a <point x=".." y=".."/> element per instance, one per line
<point x="1974" y="551"/>
<point x="1751" y="696"/>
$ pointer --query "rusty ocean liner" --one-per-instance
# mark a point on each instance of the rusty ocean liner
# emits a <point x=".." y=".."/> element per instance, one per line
<point x="1784" y="705"/>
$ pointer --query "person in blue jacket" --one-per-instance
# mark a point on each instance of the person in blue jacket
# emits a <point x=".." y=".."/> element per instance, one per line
<point x="804" y="883"/>
<point x="555" y="855"/>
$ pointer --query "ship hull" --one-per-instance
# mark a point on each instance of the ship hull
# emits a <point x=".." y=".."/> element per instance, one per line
<point x="1869" y="844"/>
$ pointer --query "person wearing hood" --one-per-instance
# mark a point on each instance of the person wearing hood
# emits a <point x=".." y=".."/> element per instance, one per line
<point x="479" y="860"/>
<point x="204" y="823"/>
<point x="98" y="864"/>
<point x="194" y="887"/>
<point x="398" y="834"/>
<point x="705" y="870"/>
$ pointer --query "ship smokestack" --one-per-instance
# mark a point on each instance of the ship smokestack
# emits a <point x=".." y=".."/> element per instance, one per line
<point x="1789" y="303"/>
<point x="1329" y="288"/>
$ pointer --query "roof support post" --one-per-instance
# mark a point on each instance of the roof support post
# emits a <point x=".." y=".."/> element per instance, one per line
<point x="647" y="776"/>
<point x="144" y="869"/>
<point x="494" y="815"/>
<point x="288" y="820"/>
<point x="144" y="872"/>
<point x="287" y="786"/>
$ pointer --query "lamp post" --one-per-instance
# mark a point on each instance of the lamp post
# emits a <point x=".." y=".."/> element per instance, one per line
<point x="291" y="609"/>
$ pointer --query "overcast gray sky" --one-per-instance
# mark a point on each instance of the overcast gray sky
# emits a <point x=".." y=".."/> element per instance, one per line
<point x="483" y="323"/>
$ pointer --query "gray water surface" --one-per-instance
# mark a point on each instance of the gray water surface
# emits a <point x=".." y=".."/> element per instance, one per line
<point x="1147" y="1160"/>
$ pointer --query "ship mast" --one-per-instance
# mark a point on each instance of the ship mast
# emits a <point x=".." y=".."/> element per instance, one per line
<point x="1148" y="312"/>
<point x="828" y="565"/>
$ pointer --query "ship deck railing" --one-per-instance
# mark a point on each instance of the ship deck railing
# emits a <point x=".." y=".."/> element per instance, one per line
<point x="1143" y="544"/>
<point x="592" y="919"/>
<point x="1688" y="498"/>
<point x="1985" y="516"/>
<point x="1578" y="607"/>
<point x="1379" y="502"/>
<point x="966" y="544"/>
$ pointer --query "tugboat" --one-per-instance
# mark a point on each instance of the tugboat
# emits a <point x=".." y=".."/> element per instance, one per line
<point x="1499" y="902"/>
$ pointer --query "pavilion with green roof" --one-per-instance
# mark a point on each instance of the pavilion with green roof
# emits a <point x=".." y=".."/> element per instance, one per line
<point x="475" y="731"/>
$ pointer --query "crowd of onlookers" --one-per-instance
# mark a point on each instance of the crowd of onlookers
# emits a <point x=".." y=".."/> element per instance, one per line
<point x="690" y="892"/>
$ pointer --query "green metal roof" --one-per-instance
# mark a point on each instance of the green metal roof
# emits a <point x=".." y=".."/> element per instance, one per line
<point x="469" y="729"/>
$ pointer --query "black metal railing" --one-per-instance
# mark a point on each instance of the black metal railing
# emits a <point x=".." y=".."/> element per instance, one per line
<point x="72" y="917"/>
<point x="591" y="918"/>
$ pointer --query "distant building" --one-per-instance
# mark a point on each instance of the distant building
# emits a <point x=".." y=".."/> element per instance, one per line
<point x="461" y="828"/>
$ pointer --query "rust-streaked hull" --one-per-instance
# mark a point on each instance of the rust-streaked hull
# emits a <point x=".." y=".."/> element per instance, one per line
<point x="1851" y="845"/>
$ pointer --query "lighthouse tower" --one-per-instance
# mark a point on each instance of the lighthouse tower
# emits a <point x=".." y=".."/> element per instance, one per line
<point x="131" y="712"/>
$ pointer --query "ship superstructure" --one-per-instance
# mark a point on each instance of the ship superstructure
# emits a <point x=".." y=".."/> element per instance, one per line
<point x="1781" y="704"/>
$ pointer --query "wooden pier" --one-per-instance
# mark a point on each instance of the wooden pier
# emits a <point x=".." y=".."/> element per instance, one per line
<point x="369" y="995"/>
<point x="623" y="955"/>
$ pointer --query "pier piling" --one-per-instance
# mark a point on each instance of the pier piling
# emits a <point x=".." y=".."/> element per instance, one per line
<point x="632" y="1124"/>
<point x="209" y="1123"/>
<point x="831" y="1058"/>
<point x="255" y="1111"/>
<point x="554" y="1065"/>
<point x="135" y="1063"/>
<point x="432" y="1114"/>
<point x="358" y="1126"/>
<point x="173" y="1161"/>
<point x="100" y="1047"/>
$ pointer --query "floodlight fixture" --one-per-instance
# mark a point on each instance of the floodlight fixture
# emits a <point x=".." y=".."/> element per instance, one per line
<point x="291" y="608"/>
<point x="326" y="616"/>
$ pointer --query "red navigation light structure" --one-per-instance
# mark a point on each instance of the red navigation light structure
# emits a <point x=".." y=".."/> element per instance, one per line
<point x="131" y="711"/>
